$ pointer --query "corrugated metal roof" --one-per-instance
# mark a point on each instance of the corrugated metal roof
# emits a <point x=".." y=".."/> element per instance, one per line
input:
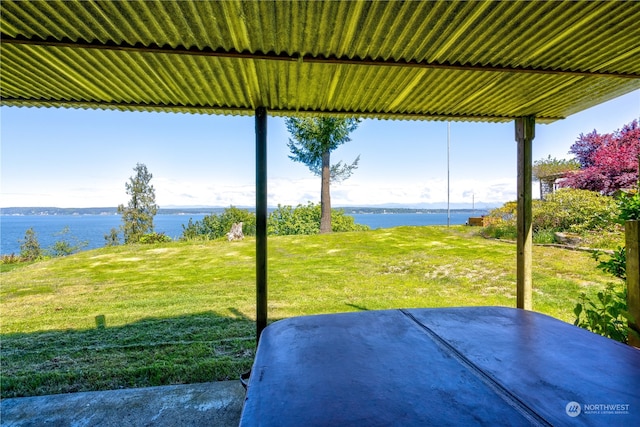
<point x="480" y="60"/>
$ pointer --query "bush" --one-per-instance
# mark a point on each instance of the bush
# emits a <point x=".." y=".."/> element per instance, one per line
<point x="216" y="226"/>
<point x="150" y="238"/>
<point x="566" y="210"/>
<point x="67" y="245"/>
<point x="305" y="219"/>
<point x="616" y="265"/>
<point x="61" y="248"/>
<point x="544" y="237"/>
<point x="506" y="214"/>
<point x="341" y="222"/>
<point x="608" y="314"/>
<point x="30" y="246"/>
<point x="112" y="238"/>
<point x="605" y="315"/>
<point x="287" y="220"/>
<point x="504" y="230"/>
<point x="11" y="259"/>
<point x="629" y="204"/>
<point x="575" y="211"/>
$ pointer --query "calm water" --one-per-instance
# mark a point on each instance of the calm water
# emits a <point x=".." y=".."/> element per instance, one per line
<point x="92" y="228"/>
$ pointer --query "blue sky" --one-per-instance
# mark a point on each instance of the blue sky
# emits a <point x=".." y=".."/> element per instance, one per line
<point x="82" y="158"/>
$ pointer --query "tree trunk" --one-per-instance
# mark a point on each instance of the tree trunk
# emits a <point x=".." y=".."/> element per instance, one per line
<point x="325" y="195"/>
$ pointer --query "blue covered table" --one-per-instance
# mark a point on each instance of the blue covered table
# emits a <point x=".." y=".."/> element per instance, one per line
<point x="445" y="366"/>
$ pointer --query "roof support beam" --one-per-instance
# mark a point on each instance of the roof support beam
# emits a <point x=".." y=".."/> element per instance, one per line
<point x="525" y="132"/>
<point x="261" y="220"/>
<point x="273" y="56"/>
<point x="222" y="109"/>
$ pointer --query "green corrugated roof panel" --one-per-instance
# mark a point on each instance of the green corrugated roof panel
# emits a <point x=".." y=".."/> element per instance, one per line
<point x="445" y="60"/>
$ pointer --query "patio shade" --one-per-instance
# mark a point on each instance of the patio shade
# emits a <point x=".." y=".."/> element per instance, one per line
<point x="486" y="61"/>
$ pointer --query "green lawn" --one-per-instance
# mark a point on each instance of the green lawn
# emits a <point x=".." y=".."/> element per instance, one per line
<point x="183" y="311"/>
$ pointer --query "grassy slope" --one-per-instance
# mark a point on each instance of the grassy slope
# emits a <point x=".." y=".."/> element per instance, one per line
<point x="183" y="312"/>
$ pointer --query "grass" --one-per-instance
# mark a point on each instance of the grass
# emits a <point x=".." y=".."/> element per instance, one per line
<point x="183" y="312"/>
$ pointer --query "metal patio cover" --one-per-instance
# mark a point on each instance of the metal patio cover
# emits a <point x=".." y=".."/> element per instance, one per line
<point x="486" y="61"/>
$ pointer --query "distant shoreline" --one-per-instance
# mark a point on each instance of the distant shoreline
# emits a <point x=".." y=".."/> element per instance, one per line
<point x="91" y="228"/>
<point x="349" y="210"/>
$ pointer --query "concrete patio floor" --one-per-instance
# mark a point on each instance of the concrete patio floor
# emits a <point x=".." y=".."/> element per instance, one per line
<point x="210" y="404"/>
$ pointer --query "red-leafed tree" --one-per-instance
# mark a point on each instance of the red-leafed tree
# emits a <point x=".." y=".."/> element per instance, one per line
<point x="608" y="162"/>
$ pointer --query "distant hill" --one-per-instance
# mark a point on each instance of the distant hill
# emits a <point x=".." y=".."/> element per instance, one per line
<point x="350" y="210"/>
<point x="375" y="210"/>
<point x="100" y="211"/>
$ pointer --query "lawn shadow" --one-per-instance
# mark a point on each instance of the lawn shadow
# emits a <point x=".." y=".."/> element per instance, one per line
<point x="153" y="351"/>
<point x="358" y="307"/>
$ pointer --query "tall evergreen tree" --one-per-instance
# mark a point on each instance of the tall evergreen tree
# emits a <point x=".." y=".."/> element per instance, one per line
<point x="313" y="141"/>
<point x="137" y="216"/>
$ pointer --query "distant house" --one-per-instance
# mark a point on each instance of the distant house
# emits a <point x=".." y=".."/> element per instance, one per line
<point x="549" y="184"/>
<point x="550" y="172"/>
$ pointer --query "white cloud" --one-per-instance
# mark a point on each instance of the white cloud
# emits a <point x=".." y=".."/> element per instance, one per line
<point x="171" y="192"/>
<point x="495" y="191"/>
<point x="64" y="198"/>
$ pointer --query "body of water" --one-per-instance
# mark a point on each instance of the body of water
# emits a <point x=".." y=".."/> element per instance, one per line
<point x="398" y="219"/>
<point x="92" y="228"/>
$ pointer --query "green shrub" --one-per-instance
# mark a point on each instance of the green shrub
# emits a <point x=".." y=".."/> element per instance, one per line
<point x="504" y="230"/>
<point x="30" y="246"/>
<point x="341" y="222"/>
<point x="608" y="314"/>
<point x="575" y="211"/>
<point x="605" y="315"/>
<point x="216" y="226"/>
<point x="286" y="220"/>
<point x="199" y="229"/>
<point x="506" y="214"/>
<point x="571" y="210"/>
<point x="61" y="248"/>
<point x="151" y="238"/>
<point x="544" y="237"/>
<point x="67" y="245"/>
<point x="233" y="215"/>
<point x="616" y="265"/>
<point x="305" y="219"/>
<point x="112" y="238"/>
<point x="629" y="204"/>
<point x="566" y="210"/>
<point x="604" y="239"/>
<point x="12" y="259"/>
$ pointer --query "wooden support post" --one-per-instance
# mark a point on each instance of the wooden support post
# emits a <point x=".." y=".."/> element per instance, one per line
<point x="261" y="221"/>
<point x="632" y="237"/>
<point x="525" y="132"/>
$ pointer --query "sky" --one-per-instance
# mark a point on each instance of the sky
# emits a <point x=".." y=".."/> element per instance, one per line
<point x="82" y="158"/>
